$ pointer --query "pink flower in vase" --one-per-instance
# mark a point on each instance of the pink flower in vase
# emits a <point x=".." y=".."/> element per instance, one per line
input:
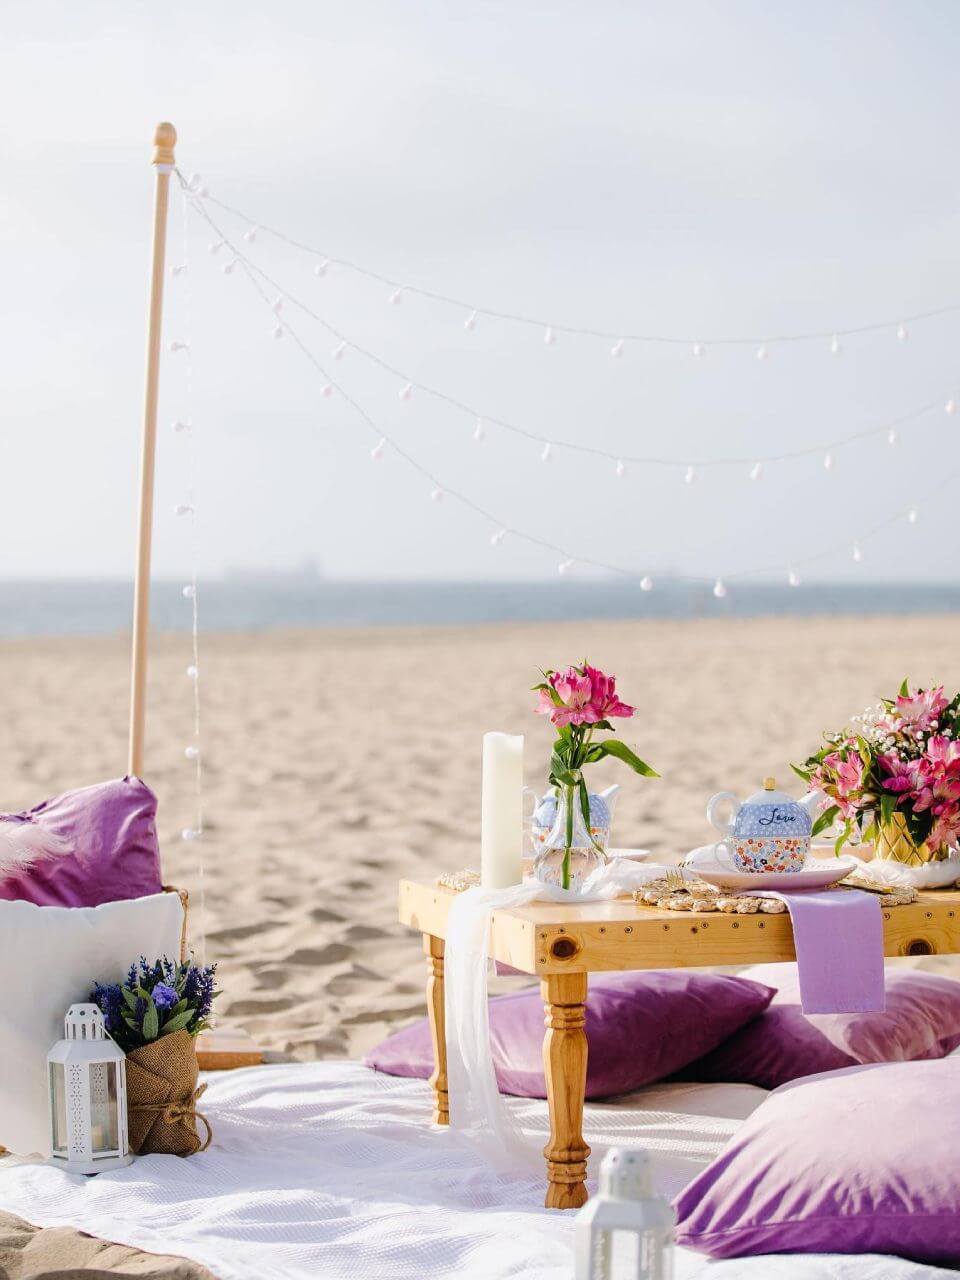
<point x="849" y="783"/>
<point x="604" y="696"/>
<point x="901" y="775"/>
<point x="922" y="709"/>
<point x="946" y="829"/>
<point x="574" y="691"/>
<point x="940" y="797"/>
<point x="943" y="754"/>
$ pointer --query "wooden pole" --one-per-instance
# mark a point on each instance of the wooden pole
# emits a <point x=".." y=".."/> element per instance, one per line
<point x="164" y="140"/>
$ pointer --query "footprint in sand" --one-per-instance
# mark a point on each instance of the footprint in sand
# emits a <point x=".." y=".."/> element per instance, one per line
<point x="250" y="1008"/>
<point x="334" y="953"/>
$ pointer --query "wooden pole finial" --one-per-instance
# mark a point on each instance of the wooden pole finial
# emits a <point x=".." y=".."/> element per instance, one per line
<point x="164" y="140"/>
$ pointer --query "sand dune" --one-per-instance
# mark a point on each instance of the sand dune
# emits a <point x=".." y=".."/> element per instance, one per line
<point x="337" y="762"/>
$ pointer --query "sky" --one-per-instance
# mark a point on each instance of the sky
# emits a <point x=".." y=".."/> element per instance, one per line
<point x="687" y="169"/>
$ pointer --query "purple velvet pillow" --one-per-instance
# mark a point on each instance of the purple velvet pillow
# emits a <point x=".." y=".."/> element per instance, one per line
<point x="855" y="1161"/>
<point x="922" y="1020"/>
<point x="98" y="844"/>
<point x="640" y="1028"/>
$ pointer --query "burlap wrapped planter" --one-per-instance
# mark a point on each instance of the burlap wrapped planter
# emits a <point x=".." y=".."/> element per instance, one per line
<point x="162" y="1094"/>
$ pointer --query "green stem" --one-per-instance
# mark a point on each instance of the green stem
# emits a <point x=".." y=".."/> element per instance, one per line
<point x="565" y="870"/>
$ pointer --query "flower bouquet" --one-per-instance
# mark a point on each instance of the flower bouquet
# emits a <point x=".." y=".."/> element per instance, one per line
<point x="155" y="1017"/>
<point x="893" y="776"/>
<point x="581" y="702"/>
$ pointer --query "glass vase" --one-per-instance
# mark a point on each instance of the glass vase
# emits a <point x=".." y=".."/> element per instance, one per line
<point x="570" y="853"/>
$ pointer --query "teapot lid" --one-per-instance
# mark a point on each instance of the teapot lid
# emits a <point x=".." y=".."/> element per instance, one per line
<point x="770" y="794"/>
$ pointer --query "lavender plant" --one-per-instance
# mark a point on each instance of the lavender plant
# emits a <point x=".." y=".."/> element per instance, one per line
<point x="155" y="1000"/>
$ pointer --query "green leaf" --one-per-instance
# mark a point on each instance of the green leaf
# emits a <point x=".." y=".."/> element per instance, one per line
<point x="844" y="837"/>
<point x="805" y="774"/>
<point x="905" y="687"/>
<point x="130" y="1000"/>
<point x="888" y="805"/>
<point x="620" y="751"/>
<point x="560" y="770"/>
<point x="151" y="1022"/>
<point x="176" y="1023"/>
<point x="826" y="819"/>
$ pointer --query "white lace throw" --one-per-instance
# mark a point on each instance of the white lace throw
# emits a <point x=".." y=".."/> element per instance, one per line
<point x="478" y="1114"/>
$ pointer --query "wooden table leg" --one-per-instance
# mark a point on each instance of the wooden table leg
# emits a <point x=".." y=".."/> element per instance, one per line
<point x="565" y="1065"/>
<point x="433" y="950"/>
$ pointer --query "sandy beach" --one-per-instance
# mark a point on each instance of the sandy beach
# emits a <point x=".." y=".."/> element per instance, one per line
<point x="338" y="761"/>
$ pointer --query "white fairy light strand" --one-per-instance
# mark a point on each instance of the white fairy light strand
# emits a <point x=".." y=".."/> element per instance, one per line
<point x="193" y="751"/>
<point x="548" y="444"/>
<point x="899" y="325"/>
<point x="567" y="561"/>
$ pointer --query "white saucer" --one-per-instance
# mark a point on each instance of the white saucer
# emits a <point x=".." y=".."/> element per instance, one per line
<point x="816" y="874"/>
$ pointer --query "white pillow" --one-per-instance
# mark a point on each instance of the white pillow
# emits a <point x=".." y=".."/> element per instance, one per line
<point x="49" y="959"/>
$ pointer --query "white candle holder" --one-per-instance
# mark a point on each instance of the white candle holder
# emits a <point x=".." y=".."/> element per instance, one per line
<point x="88" y="1096"/>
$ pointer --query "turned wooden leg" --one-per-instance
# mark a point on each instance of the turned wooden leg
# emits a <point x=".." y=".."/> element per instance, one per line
<point x="433" y="950"/>
<point x="565" y="1066"/>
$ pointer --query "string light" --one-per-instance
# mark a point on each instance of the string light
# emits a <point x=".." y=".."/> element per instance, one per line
<point x="178" y="346"/>
<point x="406" y="392"/>
<point x="179" y="426"/>
<point x="892" y="436"/>
<point x="762" y="351"/>
<point x="228" y="268"/>
<point x="436" y="495"/>
<point x="320" y="270"/>
<point x="396" y="297"/>
<point x="183" y="509"/>
<point x="620" y="469"/>
<point x="835" y="347"/>
<point x="546" y="452"/>
<point x="192" y="672"/>
<point x="479" y="431"/>
<point x="828" y="462"/>
<point x="567" y="561"/>
<point x="327" y="390"/>
<point x="564" y="567"/>
<point x="950" y="407"/>
<point x="189" y="833"/>
<point x="690" y="475"/>
<point x="276" y="306"/>
<point x="793" y="578"/>
<point x="756" y="471"/>
<point x="471" y="322"/>
<point x="646" y="583"/>
<point x="340" y="351"/>
<point x="177" y="270"/>
<point x="214" y="246"/>
<point x="376" y="453"/>
<point x="913" y="515"/>
<point x="699" y="349"/>
<point x="617" y="349"/>
<point x="549" y="337"/>
<point x="857" y="552"/>
<point x="831" y="334"/>
<point x="278" y="330"/>
<point x="250" y="235"/>
<point x="189" y="591"/>
<point x="192" y="753"/>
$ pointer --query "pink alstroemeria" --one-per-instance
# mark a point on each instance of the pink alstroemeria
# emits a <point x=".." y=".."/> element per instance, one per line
<point x="940" y="797"/>
<point x="902" y="775"/>
<point x="922" y="709"/>
<point x="943" y="753"/>
<point x="946" y="829"/>
<point x="604" y="696"/>
<point x="574" y="691"/>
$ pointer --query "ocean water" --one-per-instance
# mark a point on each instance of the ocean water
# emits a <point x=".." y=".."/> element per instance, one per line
<point x="258" y="604"/>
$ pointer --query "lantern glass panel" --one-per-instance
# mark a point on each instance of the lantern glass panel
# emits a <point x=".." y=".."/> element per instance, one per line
<point x="58" y="1107"/>
<point x="103" y="1108"/>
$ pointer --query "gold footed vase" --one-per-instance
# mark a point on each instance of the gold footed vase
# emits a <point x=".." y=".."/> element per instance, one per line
<point x="896" y="843"/>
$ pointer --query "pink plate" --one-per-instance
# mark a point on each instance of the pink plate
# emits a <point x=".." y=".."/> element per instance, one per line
<point x="816" y="874"/>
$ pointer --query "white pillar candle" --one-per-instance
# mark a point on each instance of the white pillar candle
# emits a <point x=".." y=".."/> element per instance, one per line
<point x="501" y="811"/>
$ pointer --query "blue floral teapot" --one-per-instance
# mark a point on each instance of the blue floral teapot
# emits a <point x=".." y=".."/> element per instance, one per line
<point x="768" y="832"/>
<point x="543" y="819"/>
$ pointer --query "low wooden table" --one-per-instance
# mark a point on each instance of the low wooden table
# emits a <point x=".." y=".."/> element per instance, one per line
<point x="562" y="944"/>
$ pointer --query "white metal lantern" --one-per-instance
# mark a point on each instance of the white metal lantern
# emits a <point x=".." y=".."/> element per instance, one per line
<point x="626" y="1230"/>
<point x="88" y="1096"/>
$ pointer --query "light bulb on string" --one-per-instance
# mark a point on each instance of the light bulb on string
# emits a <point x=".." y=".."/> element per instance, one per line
<point x="276" y="306"/>
<point x="179" y="346"/>
<point x="178" y="270"/>
<point x="183" y="509"/>
<point x="549" y="337"/>
<point x="479" y="431"/>
<point x="617" y="349"/>
<point x="620" y="469"/>
<point x="690" y="475"/>
<point x="828" y="462"/>
<point x="913" y="515"/>
<point x="278" y="330"/>
<point x="179" y="426"/>
<point x="327" y="390"/>
<point x="189" y="591"/>
<point x="203" y="192"/>
<point x="376" y="453"/>
<point x="835" y="347"/>
<point x="902" y="332"/>
<point x="857" y="553"/>
<point x="564" y="567"/>
<point x="406" y="392"/>
<point x="436" y="495"/>
<point x="194" y="181"/>
<point x="396" y="297"/>
<point x="339" y="351"/>
<point x="192" y="753"/>
<point x="719" y="589"/>
<point x="756" y="471"/>
<point x="471" y="322"/>
<point x="646" y="583"/>
<point x="892" y="436"/>
<point x="320" y="270"/>
<point x="950" y="407"/>
<point x="228" y="268"/>
<point x="546" y="452"/>
<point x="498" y="537"/>
<point x="214" y="246"/>
<point x="192" y="672"/>
<point x="793" y="578"/>
<point x="250" y="235"/>
<point x="762" y="351"/>
<point x="189" y="833"/>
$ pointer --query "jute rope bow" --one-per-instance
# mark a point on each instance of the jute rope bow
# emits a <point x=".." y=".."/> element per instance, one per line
<point x="173" y="1112"/>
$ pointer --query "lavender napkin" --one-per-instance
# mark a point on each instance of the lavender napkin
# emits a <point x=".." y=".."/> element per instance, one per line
<point x="838" y="935"/>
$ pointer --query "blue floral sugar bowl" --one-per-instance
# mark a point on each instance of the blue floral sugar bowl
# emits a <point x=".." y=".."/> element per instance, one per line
<point x="768" y="832"/>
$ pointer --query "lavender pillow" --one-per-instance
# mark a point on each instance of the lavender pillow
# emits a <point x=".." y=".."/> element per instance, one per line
<point x="855" y="1161"/>
<point x="640" y="1028"/>
<point x="922" y="1020"/>
<point x="98" y="844"/>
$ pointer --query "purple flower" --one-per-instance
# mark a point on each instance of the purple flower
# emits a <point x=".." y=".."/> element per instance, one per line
<point x="164" y="997"/>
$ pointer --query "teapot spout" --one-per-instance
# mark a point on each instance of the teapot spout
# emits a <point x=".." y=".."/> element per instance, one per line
<point x="610" y="795"/>
<point x="813" y="802"/>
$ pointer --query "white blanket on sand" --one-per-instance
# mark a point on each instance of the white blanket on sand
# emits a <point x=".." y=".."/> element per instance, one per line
<point x="330" y="1170"/>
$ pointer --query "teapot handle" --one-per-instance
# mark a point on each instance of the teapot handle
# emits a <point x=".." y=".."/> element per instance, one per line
<point x="529" y="791"/>
<point x="725" y="826"/>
